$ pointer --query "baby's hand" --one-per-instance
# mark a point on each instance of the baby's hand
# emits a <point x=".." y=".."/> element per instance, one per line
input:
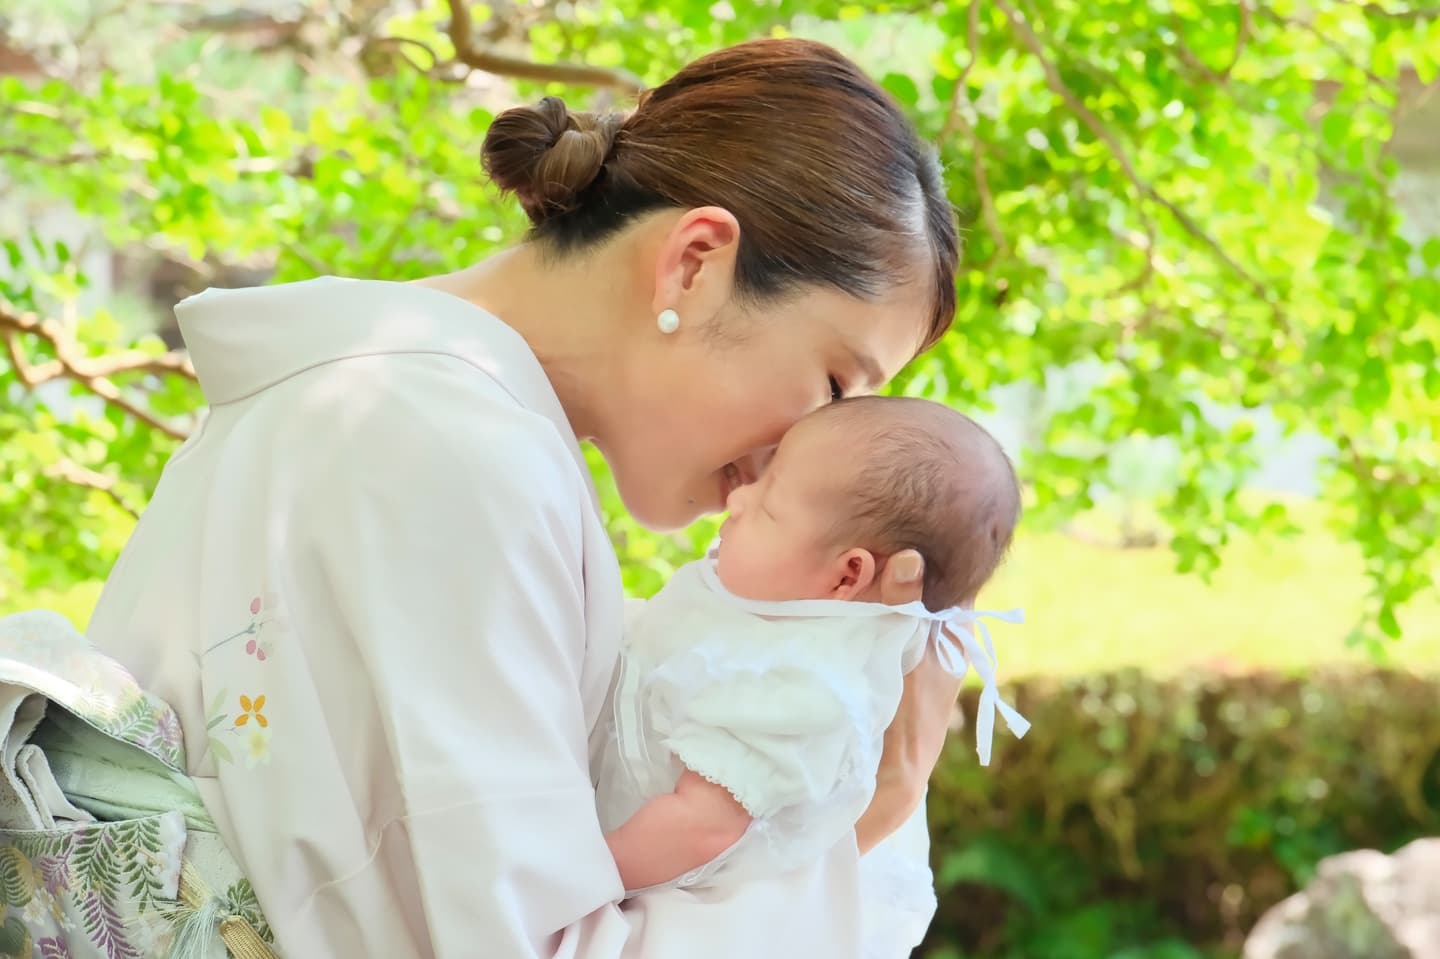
<point x="677" y="832"/>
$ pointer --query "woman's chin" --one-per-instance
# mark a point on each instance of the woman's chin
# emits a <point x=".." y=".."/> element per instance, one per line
<point x="665" y="513"/>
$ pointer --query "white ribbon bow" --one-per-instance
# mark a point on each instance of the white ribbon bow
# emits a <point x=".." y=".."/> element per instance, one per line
<point x="955" y="645"/>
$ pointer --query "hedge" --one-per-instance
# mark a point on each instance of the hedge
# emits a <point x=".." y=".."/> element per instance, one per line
<point x="1157" y="819"/>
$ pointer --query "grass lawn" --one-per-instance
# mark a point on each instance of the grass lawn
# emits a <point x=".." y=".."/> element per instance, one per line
<point x="1278" y="603"/>
<point x="1281" y="603"/>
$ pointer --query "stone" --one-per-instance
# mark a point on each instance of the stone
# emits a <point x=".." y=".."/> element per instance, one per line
<point x="1361" y="905"/>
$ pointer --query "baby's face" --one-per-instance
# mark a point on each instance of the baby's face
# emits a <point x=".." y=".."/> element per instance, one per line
<point x="774" y="545"/>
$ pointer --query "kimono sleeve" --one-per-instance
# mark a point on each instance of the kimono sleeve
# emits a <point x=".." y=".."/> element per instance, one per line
<point x="439" y="543"/>
<point x="432" y="572"/>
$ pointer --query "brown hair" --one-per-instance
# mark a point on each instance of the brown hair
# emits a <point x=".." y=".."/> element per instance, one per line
<point x="829" y="181"/>
<point x="930" y="479"/>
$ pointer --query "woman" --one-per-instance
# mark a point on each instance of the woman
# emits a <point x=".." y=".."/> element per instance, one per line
<point x="376" y="586"/>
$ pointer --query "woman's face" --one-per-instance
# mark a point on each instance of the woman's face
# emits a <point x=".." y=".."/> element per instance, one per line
<point x="708" y="405"/>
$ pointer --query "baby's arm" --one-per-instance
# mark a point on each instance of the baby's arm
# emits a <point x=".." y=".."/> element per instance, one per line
<point x="677" y="832"/>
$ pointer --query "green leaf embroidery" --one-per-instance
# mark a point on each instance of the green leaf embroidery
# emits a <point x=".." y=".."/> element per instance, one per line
<point x="240" y="900"/>
<point x="17" y="877"/>
<point x="221" y="751"/>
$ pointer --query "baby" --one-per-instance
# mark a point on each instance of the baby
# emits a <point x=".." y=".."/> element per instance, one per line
<point x="755" y="688"/>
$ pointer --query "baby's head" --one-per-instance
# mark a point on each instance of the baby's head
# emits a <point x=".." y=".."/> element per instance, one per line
<point x="858" y="481"/>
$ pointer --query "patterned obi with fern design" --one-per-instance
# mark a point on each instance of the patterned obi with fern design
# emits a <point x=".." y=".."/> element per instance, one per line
<point x="106" y="850"/>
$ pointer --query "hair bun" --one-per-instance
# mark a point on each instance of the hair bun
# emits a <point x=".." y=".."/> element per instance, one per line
<point x="546" y="155"/>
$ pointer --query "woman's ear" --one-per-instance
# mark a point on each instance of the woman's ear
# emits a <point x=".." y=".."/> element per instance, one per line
<point x="853" y="574"/>
<point x="695" y="264"/>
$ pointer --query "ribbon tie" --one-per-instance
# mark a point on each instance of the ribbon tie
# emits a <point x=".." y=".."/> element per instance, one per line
<point x="955" y="645"/>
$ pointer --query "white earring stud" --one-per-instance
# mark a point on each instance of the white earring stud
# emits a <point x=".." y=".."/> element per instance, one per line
<point x="668" y="321"/>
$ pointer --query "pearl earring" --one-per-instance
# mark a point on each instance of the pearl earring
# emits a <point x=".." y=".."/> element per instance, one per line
<point x="668" y="321"/>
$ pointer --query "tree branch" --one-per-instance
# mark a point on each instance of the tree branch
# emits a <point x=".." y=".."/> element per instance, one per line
<point x="957" y="121"/>
<point x="1242" y="35"/>
<point x="77" y="475"/>
<point x="1057" y="85"/>
<point x="462" y="37"/>
<point x="80" y="367"/>
<point x="116" y="364"/>
<point x="399" y="45"/>
<point x="1376" y="10"/>
<point x="23" y="371"/>
<point x="315" y="267"/>
<point x="1373" y="468"/>
<point x="1243" y="30"/>
<point x="262" y="25"/>
<point x="92" y="374"/>
<point x="68" y="159"/>
<point x="1330" y="44"/>
<point x="1150" y="268"/>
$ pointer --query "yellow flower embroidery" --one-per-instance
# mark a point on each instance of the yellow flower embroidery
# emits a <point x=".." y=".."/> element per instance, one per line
<point x="257" y="748"/>
<point x="252" y="709"/>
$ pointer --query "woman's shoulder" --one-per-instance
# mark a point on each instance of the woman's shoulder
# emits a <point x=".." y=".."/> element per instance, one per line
<point x="243" y="342"/>
<point x="368" y="377"/>
<point x="407" y="413"/>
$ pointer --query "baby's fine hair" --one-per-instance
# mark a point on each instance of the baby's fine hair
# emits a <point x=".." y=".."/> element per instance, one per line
<point x="931" y="479"/>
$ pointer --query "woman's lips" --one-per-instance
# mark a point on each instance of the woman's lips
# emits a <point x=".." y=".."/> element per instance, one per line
<point x="730" y="481"/>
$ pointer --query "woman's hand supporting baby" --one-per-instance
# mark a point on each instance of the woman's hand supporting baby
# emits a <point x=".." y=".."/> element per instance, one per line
<point x="677" y="832"/>
<point x="915" y="738"/>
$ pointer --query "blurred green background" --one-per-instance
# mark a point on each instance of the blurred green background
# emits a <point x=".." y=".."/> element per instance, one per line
<point x="1200" y="303"/>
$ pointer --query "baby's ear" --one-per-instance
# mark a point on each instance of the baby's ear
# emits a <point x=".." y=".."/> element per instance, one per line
<point x="853" y="574"/>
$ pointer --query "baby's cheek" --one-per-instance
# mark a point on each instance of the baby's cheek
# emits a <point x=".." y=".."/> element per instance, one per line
<point x="750" y="569"/>
<point x="733" y="565"/>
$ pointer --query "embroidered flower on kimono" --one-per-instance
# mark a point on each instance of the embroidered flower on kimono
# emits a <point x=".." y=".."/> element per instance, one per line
<point x="267" y="608"/>
<point x="253" y="646"/>
<point x="41" y="908"/>
<point x="252" y="709"/>
<point x="257" y="748"/>
<point x="60" y="915"/>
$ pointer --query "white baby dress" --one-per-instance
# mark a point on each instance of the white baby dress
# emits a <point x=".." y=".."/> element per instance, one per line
<point x="783" y="703"/>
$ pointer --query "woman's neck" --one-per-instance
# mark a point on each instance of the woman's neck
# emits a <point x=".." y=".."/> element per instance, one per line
<point x="568" y="312"/>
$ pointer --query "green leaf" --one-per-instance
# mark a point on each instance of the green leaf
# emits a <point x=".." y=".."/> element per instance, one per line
<point x="902" y="88"/>
<point x="1372" y="389"/>
<point x="1426" y="58"/>
<point x="1430" y="252"/>
<point x="275" y="121"/>
<point x="1336" y="130"/>
<point x="989" y="861"/>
